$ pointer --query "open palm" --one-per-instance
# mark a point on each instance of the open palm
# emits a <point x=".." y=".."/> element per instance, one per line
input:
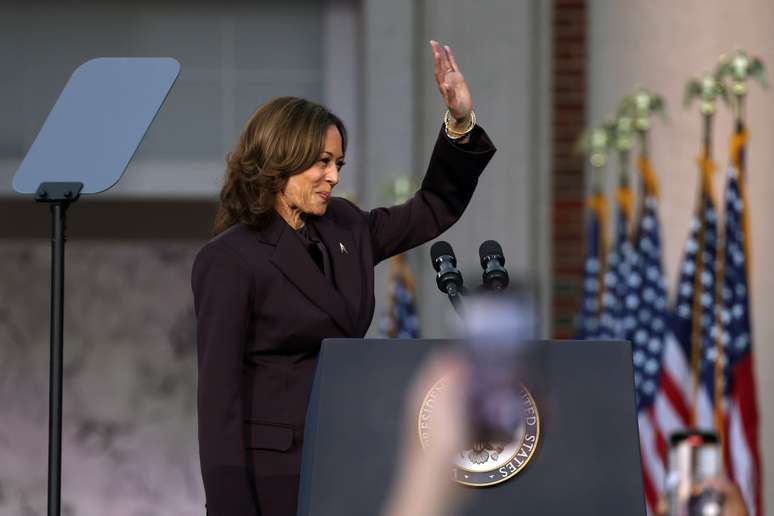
<point x="451" y="82"/>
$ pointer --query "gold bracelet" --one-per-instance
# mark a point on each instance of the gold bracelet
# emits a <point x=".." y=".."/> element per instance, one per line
<point x="456" y="135"/>
<point x="470" y="127"/>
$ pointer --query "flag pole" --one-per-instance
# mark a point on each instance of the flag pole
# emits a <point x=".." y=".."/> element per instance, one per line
<point x="646" y="104"/>
<point x="641" y="106"/>
<point x="622" y="131"/>
<point x="621" y="139"/>
<point x="594" y="143"/>
<point x="739" y="69"/>
<point x="707" y="90"/>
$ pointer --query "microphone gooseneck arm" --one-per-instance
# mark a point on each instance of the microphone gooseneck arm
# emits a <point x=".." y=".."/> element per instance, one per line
<point x="455" y="298"/>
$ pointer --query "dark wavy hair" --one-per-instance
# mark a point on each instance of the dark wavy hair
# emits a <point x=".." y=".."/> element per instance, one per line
<point x="282" y="138"/>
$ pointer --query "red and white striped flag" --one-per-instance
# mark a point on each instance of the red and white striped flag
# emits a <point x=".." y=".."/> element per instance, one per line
<point x="734" y="399"/>
<point x="706" y="378"/>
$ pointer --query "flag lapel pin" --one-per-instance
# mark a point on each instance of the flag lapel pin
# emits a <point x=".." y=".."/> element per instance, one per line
<point x="343" y="249"/>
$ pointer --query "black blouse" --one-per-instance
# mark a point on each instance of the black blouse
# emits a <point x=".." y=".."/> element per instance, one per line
<point x="317" y="250"/>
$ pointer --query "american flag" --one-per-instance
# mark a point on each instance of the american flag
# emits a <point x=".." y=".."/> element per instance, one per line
<point x="596" y="259"/>
<point x="400" y="320"/>
<point x="667" y="410"/>
<point x="645" y="324"/>
<point x="706" y="379"/>
<point x="646" y="314"/>
<point x="611" y="319"/>
<point x="694" y="309"/>
<point x="693" y="363"/>
<point x="732" y="392"/>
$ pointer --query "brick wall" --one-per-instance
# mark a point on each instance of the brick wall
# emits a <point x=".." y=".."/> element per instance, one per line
<point x="568" y="118"/>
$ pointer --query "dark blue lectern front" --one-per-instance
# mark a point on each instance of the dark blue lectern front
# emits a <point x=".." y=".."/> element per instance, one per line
<point x="587" y="461"/>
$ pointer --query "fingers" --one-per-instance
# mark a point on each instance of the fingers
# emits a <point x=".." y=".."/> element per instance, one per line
<point x="661" y="506"/>
<point x="441" y="51"/>
<point x="450" y="58"/>
<point x="734" y="504"/>
<point x="718" y="483"/>
<point x="438" y="61"/>
<point x="445" y="63"/>
<point x="441" y="64"/>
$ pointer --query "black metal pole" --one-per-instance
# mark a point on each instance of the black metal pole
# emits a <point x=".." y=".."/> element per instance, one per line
<point x="455" y="297"/>
<point x="59" y="196"/>
<point x="740" y="127"/>
<point x="58" y="218"/>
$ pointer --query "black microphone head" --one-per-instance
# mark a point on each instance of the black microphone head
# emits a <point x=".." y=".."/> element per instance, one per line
<point x="441" y="248"/>
<point x="490" y="248"/>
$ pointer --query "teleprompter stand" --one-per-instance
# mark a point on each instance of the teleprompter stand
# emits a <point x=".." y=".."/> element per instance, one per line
<point x="84" y="147"/>
<point x="58" y="196"/>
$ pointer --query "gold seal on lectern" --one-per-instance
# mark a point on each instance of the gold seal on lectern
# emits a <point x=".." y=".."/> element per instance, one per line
<point x="484" y="464"/>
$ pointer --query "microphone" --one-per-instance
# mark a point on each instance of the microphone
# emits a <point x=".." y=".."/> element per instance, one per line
<point x="493" y="262"/>
<point x="448" y="277"/>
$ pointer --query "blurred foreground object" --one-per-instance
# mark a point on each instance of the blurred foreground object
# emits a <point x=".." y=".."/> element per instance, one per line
<point x="499" y="333"/>
<point x="696" y="484"/>
<point x="421" y="489"/>
<point x="694" y="457"/>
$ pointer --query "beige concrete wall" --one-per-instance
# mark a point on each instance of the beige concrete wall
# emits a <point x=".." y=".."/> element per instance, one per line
<point x="660" y="44"/>
<point x="129" y="405"/>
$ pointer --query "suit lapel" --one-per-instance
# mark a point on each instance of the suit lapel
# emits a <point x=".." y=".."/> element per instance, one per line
<point x="297" y="266"/>
<point x="344" y="257"/>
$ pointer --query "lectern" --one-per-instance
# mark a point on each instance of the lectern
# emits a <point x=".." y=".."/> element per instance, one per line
<point x="585" y="462"/>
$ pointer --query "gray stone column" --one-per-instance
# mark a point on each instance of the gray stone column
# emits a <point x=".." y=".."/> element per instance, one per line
<point x="502" y="53"/>
<point x="388" y="108"/>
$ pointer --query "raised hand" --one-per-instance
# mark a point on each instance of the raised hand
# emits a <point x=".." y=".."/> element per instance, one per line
<point x="451" y="83"/>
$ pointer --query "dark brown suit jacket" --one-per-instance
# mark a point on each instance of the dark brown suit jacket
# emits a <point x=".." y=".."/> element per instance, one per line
<point x="262" y="308"/>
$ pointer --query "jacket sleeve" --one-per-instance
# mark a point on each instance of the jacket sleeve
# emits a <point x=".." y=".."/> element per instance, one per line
<point x="451" y="178"/>
<point x="222" y="289"/>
